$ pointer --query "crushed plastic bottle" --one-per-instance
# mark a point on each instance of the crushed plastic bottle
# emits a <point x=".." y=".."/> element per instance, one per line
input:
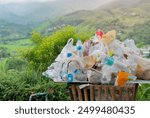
<point x="79" y="48"/>
<point x="116" y="48"/>
<point x="109" y="37"/>
<point x="113" y="61"/>
<point x="99" y="33"/>
<point x="123" y="77"/>
<point x="71" y="76"/>
<point x="107" y="74"/>
<point x="109" y="61"/>
<point x="86" y="47"/>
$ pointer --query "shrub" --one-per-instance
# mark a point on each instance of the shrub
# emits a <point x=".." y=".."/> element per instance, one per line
<point x="18" y="84"/>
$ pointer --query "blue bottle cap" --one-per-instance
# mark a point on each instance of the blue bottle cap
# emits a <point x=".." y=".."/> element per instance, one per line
<point x="70" y="77"/>
<point x="76" y="71"/>
<point x="69" y="54"/>
<point x="132" y="77"/>
<point x="109" y="61"/>
<point x="79" y="48"/>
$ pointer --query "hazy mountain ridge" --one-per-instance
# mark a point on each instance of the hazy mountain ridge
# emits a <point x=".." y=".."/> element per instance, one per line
<point x="11" y="31"/>
<point x="136" y="9"/>
<point x="122" y="15"/>
<point x="130" y="20"/>
<point x="29" y="15"/>
<point x="40" y="11"/>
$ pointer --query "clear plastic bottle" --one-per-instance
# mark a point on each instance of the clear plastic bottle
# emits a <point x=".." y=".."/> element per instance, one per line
<point x="109" y="61"/>
<point x="118" y="65"/>
<point x="79" y="48"/>
<point x="106" y="74"/>
<point x="71" y="76"/>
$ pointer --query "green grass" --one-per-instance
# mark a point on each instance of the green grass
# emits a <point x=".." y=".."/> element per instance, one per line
<point x="16" y="46"/>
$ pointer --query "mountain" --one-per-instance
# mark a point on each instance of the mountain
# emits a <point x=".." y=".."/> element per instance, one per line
<point x="40" y="11"/>
<point x="18" y="19"/>
<point x="11" y="31"/>
<point x="130" y="18"/>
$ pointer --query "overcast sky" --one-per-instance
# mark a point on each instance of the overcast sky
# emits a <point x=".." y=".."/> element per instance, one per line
<point x="20" y="1"/>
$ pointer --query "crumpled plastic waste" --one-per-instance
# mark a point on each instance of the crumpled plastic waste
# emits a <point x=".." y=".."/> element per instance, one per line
<point x="67" y="52"/>
<point x="99" y="33"/>
<point x="123" y="77"/>
<point x="102" y="59"/>
<point x="109" y="37"/>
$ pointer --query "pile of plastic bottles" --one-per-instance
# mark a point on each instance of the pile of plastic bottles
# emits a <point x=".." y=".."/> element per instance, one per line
<point x="102" y="59"/>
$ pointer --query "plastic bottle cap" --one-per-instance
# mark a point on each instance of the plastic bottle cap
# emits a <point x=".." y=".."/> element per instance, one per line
<point x="70" y="77"/>
<point x="76" y="71"/>
<point x="69" y="54"/>
<point x="79" y="48"/>
<point x="109" y="61"/>
<point x="132" y="77"/>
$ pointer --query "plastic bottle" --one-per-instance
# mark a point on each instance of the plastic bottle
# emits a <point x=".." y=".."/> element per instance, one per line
<point x="106" y="74"/>
<point x="123" y="77"/>
<point x="69" y="54"/>
<point x="99" y="33"/>
<point x="116" y="48"/>
<point x="71" y="76"/>
<point x="110" y="61"/>
<point x="79" y="48"/>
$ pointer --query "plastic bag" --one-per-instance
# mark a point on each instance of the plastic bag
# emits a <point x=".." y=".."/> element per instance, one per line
<point x="72" y="71"/>
<point x="86" y="46"/>
<point x="95" y="39"/>
<point x="99" y="46"/>
<point x="99" y="51"/>
<point x="94" y="76"/>
<point x="116" y="48"/>
<point x="143" y="66"/>
<point x="88" y="61"/>
<point x="109" y="37"/>
<point x="67" y="51"/>
<point x="146" y="74"/>
<point x="131" y="64"/>
<point x="54" y="71"/>
<point x="107" y="72"/>
<point x="131" y="44"/>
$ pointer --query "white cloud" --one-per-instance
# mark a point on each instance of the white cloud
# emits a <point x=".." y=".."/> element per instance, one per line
<point x="21" y="1"/>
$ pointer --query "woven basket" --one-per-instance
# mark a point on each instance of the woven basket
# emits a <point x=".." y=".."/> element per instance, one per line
<point x="103" y="93"/>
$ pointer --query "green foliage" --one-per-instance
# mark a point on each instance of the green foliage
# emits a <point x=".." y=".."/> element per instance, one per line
<point x="19" y="84"/>
<point x="15" y="64"/>
<point x="143" y="92"/>
<point x="4" y="52"/>
<point x="13" y="31"/>
<point x="141" y="31"/>
<point x="36" y="38"/>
